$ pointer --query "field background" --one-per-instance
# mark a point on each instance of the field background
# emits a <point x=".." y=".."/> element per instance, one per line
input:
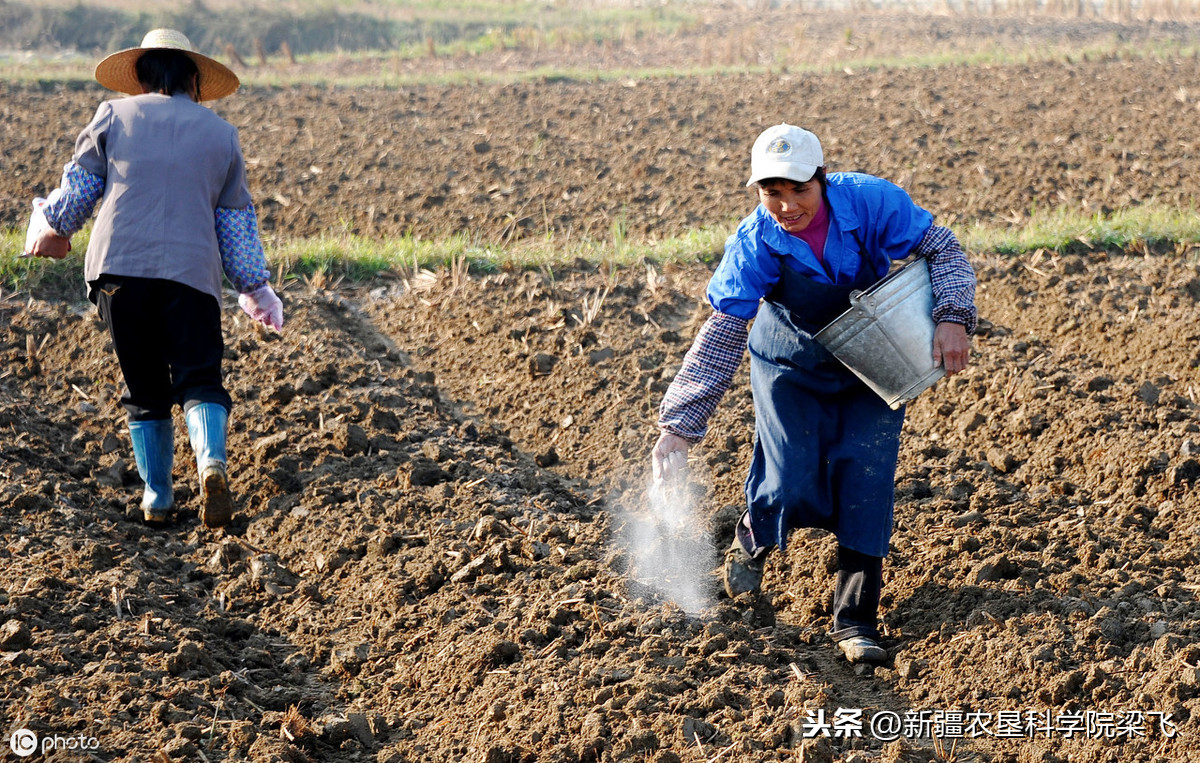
<point x="491" y="225"/>
<point x="406" y="64"/>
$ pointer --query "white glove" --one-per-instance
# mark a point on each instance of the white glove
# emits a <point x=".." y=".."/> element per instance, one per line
<point x="264" y="306"/>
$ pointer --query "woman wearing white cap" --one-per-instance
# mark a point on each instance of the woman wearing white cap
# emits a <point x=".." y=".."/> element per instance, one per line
<point x="175" y="215"/>
<point x="825" y="445"/>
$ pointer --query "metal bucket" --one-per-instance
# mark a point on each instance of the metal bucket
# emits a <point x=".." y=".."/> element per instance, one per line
<point x="886" y="337"/>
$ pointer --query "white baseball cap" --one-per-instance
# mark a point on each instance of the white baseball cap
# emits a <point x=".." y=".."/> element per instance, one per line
<point x="785" y="151"/>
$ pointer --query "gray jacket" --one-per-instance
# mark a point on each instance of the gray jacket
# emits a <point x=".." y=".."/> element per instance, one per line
<point x="167" y="164"/>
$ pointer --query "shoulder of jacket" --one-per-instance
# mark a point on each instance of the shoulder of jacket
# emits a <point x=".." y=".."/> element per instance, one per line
<point x="106" y="107"/>
<point x="750" y="226"/>
<point x="858" y="180"/>
<point x="208" y="117"/>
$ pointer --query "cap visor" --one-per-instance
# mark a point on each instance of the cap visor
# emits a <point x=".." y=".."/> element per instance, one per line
<point x="800" y="173"/>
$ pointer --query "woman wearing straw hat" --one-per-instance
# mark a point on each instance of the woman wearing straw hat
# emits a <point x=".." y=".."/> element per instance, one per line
<point x="175" y="214"/>
<point x="825" y="445"/>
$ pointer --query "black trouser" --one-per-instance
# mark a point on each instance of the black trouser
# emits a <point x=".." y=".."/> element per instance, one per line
<point x="168" y="341"/>
<point x="856" y="597"/>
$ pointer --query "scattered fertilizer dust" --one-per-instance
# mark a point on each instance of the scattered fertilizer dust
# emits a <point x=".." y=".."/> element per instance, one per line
<point x="669" y="546"/>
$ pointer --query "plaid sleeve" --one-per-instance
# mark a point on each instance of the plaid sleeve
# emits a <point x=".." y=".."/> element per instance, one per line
<point x="242" y="256"/>
<point x="952" y="277"/>
<point x="707" y="371"/>
<point x="79" y="192"/>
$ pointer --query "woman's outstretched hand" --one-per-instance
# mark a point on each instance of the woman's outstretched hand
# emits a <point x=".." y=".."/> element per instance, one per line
<point x="264" y="306"/>
<point x="669" y="457"/>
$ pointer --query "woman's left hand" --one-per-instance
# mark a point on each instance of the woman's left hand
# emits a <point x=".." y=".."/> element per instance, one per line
<point x="951" y="347"/>
<point x="50" y="244"/>
<point x="264" y="306"/>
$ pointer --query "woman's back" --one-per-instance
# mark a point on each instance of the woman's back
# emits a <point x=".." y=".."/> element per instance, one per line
<point x="168" y="163"/>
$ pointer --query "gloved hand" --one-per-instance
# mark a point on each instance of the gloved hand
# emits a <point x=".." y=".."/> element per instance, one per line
<point x="264" y="306"/>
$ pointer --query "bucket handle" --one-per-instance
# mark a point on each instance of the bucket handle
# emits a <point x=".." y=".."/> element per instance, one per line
<point x="863" y="302"/>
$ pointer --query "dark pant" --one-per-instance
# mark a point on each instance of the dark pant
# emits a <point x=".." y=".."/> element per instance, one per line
<point x="168" y="341"/>
<point x="856" y="597"/>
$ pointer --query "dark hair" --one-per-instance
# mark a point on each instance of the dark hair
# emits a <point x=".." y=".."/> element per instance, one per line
<point x="168" y="72"/>
<point x="819" y="176"/>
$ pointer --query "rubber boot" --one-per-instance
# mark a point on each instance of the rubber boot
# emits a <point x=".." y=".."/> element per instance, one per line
<point x="206" y="424"/>
<point x="154" y="452"/>
<point x="744" y="561"/>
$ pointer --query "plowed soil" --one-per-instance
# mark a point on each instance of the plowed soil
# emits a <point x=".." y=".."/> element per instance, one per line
<point x="440" y="474"/>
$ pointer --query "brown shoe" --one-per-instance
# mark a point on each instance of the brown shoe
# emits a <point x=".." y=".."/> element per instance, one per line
<point x="216" y="502"/>
<point x="742" y="573"/>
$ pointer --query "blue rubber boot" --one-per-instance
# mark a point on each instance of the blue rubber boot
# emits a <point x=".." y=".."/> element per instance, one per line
<point x="154" y="452"/>
<point x="206" y="424"/>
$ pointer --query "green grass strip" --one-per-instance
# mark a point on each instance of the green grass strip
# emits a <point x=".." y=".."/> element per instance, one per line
<point x="1062" y="230"/>
<point x="347" y="258"/>
<point x="352" y="258"/>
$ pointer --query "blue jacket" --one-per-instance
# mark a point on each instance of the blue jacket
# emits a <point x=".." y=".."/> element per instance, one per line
<point x="863" y="208"/>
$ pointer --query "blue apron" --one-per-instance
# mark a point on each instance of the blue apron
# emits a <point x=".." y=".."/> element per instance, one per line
<point x="825" y="445"/>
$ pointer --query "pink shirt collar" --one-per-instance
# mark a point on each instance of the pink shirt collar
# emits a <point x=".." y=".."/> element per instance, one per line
<point x="817" y="231"/>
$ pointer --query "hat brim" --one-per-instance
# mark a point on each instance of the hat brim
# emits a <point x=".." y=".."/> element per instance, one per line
<point x="119" y="72"/>
<point x="800" y="173"/>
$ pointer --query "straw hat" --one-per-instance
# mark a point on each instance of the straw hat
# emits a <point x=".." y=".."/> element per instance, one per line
<point x="119" y="70"/>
